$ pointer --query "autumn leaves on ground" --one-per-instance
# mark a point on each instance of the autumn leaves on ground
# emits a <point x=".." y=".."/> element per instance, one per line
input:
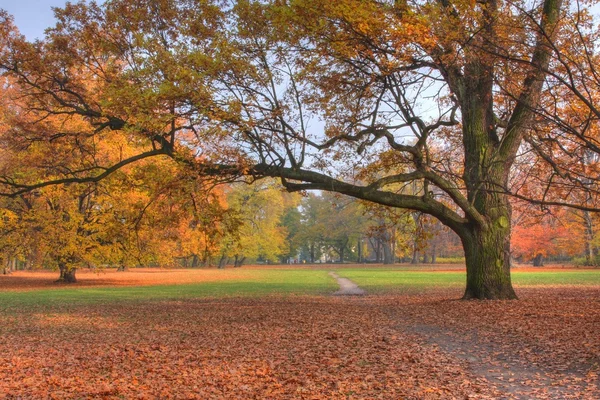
<point x="275" y="332"/>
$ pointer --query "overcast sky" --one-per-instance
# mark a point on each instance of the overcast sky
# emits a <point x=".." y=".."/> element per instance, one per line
<point x="32" y="16"/>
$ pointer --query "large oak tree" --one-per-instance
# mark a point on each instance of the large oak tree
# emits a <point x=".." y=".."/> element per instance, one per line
<point x="447" y="107"/>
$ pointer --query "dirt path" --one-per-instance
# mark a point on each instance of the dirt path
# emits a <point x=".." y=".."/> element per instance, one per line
<point x="501" y="367"/>
<point x="347" y="287"/>
<point x="542" y="347"/>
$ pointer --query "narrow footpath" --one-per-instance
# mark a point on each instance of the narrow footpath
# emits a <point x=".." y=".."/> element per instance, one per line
<point x="347" y="287"/>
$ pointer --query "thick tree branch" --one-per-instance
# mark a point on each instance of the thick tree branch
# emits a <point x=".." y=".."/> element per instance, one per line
<point x="317" y="181"/>
<point x="533" y="83"/>
<point x="24" y="188"/>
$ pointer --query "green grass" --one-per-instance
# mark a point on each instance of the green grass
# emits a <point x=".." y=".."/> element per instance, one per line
<point x="264" y="282"/>
<point x="251" y="283"/>
<point x="567" y="277"/>
<point x="377" y="280"/>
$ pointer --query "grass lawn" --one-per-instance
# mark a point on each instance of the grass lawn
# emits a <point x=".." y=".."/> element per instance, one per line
<point x="250" y="282"/>
<point x="154" y="285"/>
<point x="376" y="280"/>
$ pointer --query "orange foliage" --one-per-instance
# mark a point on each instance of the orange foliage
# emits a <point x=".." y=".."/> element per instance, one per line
<point x="546" y="236"/>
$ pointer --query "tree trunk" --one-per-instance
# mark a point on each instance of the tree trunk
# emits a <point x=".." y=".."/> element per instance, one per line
<point x="393" y="244"/>
<point x="359" y="248"/>
<point x="590" y="253"/>
<point x="487" y="255"/>
<point x="538" y="260"/>
<point x="425" y="258"/>
<point x="386" y="244"/>
<point x="32" y="257"/>
<point x="377" y="249"/>
<point x="195" y="261"/>
<point x="222" y="261"/>
<point x="239" y="261"/>
<point x="415" y="257"/>
<point x="312" y="253"/>
<point x="206" y="258"/>
<point x="486" y="239"/>
<point x="67" y="275"/>
<point x="388" y="255"/>
<point x="433" y="255"/>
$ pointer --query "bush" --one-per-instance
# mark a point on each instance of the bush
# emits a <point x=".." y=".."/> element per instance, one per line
<point x="582" y="262"/>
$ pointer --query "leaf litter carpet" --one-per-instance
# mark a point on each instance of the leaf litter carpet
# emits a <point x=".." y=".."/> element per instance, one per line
<point x="401" y="346"/>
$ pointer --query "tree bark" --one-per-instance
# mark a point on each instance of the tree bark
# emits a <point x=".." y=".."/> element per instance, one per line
<point x="487" y="255"/>
<point x="590" y="251"/>
<point x="393" y="244"/>
<point x="376" y="245"/>
<point x="222" y="261"/>
<point x="387" y="247"/>
<point x="538" y="260"/>
<point x="341" y="250"/>
<point x="239" y="261"/>
<point x="388" y="255"/>
<point x="415" y="257"/>
<point x="67" y="275"/>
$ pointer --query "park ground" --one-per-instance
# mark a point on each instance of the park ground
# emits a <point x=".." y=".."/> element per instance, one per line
<point x="278" y="332"/>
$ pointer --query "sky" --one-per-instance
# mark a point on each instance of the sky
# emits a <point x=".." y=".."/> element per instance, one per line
<point x="32" y="17"/>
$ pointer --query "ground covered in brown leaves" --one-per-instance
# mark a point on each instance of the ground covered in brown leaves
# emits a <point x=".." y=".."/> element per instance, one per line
<point x="544" y="346"/>
<point x="44" y="279"/>
<point x="424" y="345"/>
